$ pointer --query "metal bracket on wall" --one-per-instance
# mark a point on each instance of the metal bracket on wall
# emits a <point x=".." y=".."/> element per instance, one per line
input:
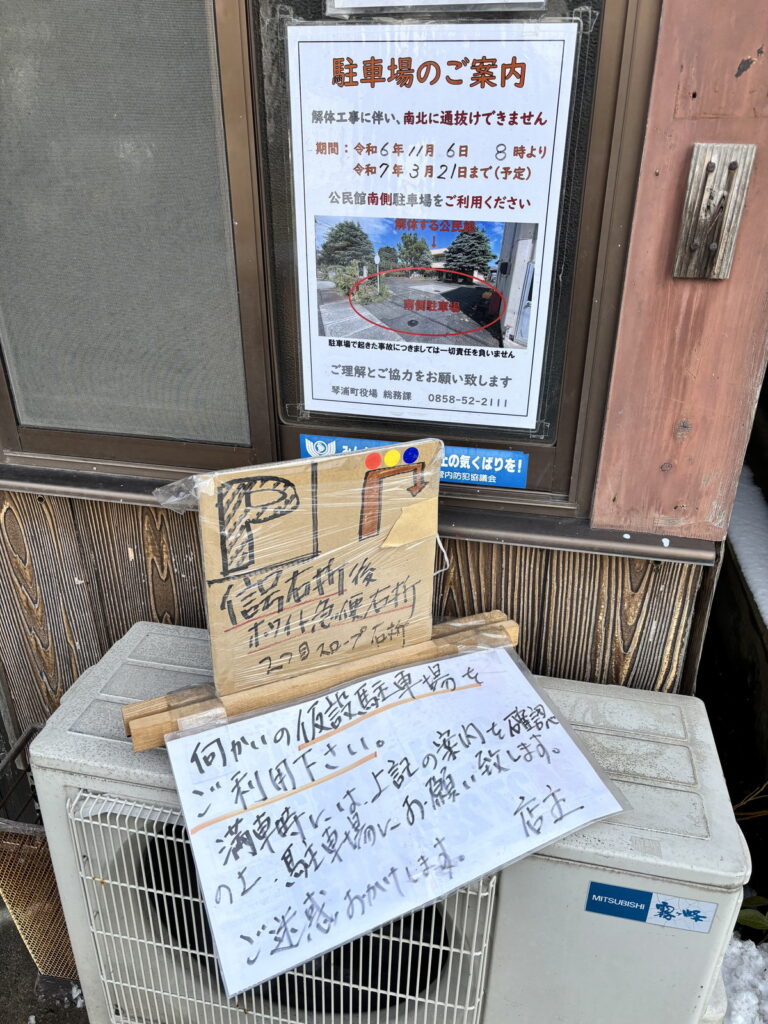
<point x="717" y="187"/>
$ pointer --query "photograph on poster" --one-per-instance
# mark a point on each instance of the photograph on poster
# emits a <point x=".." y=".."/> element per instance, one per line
<point x="459" y="282"/>
<point x="428" y="162"/>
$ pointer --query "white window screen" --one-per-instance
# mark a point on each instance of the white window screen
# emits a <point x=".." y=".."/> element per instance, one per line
<point x="118" y="296"/>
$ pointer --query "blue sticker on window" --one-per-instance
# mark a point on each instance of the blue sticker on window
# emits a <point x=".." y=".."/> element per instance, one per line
<point x="479" y="467"/>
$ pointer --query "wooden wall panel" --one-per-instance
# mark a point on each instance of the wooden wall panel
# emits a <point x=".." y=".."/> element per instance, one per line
<point x="584" y="616"/>
<point x="482" y="577"/>
<point x="49" y="626"/>
<point x="75" y="575"/>
<point x="690" y="355"/>
<point x="145" y="562"/>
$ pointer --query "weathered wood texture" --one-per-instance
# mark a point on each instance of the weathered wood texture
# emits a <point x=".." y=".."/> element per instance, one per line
<point x="144" y="565"/>
<point x="594" y="617"/>
<point x="690" y="355"/>
<point x="717" y="189"/>
<point x="49" y="627"/>
<point x="75" y="575"/>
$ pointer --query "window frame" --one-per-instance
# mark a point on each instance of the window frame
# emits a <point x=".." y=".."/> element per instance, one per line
<point x="562" y="473"/>
<point x="134" y="455"/>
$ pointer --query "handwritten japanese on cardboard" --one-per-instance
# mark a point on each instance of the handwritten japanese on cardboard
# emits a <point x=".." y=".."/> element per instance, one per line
<point x="314" y="562"/>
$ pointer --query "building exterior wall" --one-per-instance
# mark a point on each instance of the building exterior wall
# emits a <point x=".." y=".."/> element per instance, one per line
<point x="690" y="354"/>
<point x="76" y="574"/>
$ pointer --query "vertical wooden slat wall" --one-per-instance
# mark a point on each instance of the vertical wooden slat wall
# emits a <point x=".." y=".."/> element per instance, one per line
<point x="51" y="625"/>
<point x="583" y="616"/>
<point x="144" y="565"/>
<point x="76" y="574"/>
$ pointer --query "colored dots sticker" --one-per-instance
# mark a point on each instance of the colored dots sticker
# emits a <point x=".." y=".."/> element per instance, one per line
<point x="392" y="457"/>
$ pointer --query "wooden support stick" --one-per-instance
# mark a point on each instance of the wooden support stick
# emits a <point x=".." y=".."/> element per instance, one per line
<point x="441" y="629"/>
<point x="149" y="731"/>
<point x="168" y="702"/>
<point x="194" y="694"/>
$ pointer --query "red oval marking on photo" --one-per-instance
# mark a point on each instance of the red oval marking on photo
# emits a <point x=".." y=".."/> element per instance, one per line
<point x="418" y="334"/>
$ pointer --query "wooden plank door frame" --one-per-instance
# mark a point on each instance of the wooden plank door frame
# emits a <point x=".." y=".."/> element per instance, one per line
<point x="690" y="354"/>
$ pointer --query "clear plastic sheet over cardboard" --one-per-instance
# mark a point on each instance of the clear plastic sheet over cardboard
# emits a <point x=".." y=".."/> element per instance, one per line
<point x="317" y="821"/>
<point x="312" y="563"/>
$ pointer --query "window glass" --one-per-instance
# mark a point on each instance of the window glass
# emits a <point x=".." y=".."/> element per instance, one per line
<point x="118" y="294"/>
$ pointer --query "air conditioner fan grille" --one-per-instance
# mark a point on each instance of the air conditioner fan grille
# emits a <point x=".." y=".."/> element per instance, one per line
<point x="156" y="955"/>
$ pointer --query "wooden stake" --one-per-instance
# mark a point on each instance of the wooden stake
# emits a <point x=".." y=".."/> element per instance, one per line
<point x="206" y="691"/>
<point x="149" y="731"/>
<point x="441" y="629"/>
<point x="168" y="702"/>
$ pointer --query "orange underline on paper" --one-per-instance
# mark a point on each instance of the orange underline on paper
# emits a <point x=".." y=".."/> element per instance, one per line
<point x="280" y="796"/>
<point x="288" y="608"/>
<point x="334" y="625"/>
<point x="386" y="707"/>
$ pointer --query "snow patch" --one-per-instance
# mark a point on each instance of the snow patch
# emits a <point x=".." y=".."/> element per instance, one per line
<point x="748" y="535"/>
<point x="745" y="975"/>
<point x="77" y="996"/>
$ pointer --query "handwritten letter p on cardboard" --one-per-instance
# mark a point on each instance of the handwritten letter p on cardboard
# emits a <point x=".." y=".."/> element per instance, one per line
<point x="318" y="561"/>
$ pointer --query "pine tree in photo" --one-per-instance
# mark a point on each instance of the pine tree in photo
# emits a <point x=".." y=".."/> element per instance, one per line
<point x="414" y="251"/>
<point x="388" y="258"/>
<point x="346" y="243"/>
<point x="470" y="253"/>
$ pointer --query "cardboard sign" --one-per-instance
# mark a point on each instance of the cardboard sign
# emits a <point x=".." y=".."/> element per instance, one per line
<point x="313" y="824"/>
<point x="314" y="562"/>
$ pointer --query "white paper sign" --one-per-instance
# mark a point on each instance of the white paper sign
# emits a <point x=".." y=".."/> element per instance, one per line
<point x="316" y="823"/>
<point x="354" y="5"/>
<point x="440" y="149"/>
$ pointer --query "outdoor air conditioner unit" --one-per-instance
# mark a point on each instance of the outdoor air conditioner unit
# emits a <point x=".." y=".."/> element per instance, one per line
<point x="518" y="948"/>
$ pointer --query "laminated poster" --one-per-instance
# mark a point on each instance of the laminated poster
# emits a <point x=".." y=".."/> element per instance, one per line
<point x="427" y="171"/>
<point x="313" y="824"/>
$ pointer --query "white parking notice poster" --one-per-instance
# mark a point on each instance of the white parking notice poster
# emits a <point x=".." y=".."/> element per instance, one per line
<point x="428" y="162"/>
